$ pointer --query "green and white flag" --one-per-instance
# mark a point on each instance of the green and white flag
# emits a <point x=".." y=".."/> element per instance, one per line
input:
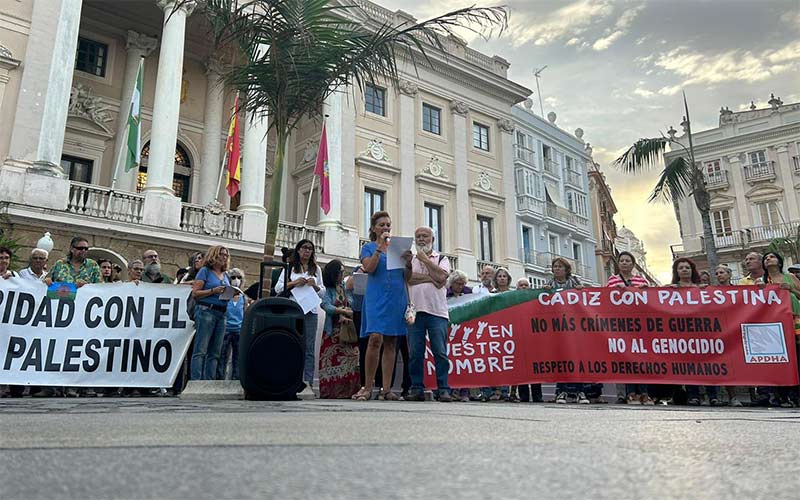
<point x="134" y="155"/>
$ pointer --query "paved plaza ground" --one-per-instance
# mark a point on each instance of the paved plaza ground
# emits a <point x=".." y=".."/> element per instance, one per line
<point x="172" y="448"/>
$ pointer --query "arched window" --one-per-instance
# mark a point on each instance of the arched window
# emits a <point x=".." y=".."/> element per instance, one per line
<point x="180" y="178"/>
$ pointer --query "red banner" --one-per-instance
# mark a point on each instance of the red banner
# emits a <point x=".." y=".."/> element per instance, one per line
<point x="712" y="336"/>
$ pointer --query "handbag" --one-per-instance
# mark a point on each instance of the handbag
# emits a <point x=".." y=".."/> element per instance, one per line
<point x="347" y="332"/>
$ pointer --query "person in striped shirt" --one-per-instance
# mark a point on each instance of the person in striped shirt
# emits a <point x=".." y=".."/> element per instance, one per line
<point x="626" y="262"/>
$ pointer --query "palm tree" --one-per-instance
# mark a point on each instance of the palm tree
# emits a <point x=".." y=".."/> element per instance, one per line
<point x="292" y="54"/>
<point x="682" y="177"/>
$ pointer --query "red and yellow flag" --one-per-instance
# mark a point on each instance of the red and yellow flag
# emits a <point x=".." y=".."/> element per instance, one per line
<point x="233" y="149"/>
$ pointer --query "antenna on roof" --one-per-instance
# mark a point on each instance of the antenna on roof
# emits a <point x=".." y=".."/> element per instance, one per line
<point x="537" y="73"/>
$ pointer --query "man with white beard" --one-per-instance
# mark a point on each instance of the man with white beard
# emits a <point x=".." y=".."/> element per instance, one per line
<point x="152" y="268"/>
<point x="427" y="274"/>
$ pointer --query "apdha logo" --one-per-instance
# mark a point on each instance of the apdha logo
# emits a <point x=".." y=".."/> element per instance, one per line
<point x="764" y="343"/>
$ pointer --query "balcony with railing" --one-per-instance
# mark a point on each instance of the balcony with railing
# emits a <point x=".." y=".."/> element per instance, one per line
<point x="574" y="179"/>
<point x="764" y="234"/>
<point x="761" y="171"/>
<point x="545" y="259"/>
<point x="717" y="180"/>
<point x="551" y="167"/>
<point x="524" y="155"/>
<point x="290" y="233"/>
<point x="530" y="205"/>
<point x="483" y="263"/>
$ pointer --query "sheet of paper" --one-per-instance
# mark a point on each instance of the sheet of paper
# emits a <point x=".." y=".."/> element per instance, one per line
<point x="360" y="283"/>
<point x="307" y="297"/>
<point x="229" y="292"/>
<point x="394" y="254"/>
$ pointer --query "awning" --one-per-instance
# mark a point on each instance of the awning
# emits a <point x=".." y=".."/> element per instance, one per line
<point x="553" y="194"/>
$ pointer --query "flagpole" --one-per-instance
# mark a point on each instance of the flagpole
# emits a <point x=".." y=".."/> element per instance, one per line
<point x="221" y="173"/>
<point x="313" y="179"/>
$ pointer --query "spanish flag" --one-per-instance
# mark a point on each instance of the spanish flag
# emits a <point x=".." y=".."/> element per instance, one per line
<point x="233" y="149"/>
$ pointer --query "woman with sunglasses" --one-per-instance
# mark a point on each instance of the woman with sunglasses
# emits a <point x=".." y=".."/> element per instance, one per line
<point x="305" y="273"/>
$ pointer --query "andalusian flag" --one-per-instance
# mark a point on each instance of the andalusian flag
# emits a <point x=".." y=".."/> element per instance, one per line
<point x="323" y="171"/>
<point x="233" y="148"/>
<point x="134" y="156"/>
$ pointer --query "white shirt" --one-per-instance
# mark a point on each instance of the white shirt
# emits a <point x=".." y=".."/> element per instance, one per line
<point x="281" y="284"/>
<point x="28" y="274"/>
<point x="482" y="290"/>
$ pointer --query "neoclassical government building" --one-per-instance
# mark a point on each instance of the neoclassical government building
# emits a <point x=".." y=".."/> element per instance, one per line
<point x="439" y="148"/>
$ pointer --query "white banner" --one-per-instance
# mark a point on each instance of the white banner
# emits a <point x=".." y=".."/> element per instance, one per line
<point x="109" y="335"/>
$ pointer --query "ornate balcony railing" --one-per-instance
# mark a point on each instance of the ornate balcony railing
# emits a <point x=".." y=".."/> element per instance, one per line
<point x="717" y="180"/>
<point x="575" y="179"/>
<point x="290" y="233"/>
<point x="96" y="201"/>
<point x="551" y="167"/>
<point x="527" y="203"/>
<point x="482" y="263"/>
<point x="761" y="171"/>
<point x="211" y="220"/>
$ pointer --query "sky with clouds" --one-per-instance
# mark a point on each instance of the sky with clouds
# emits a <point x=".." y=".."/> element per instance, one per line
<point x="617" y="69"/>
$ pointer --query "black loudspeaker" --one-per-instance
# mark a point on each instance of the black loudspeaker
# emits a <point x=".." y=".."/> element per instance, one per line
<point x="272" y="349"/>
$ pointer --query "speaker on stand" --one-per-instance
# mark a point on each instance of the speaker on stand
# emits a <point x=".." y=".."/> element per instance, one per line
<point x="271" y="347"/>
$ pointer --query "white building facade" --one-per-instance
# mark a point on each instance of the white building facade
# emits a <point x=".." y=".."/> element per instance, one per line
<point x="554" y="214"/>
<point x="434" y="149"/>
<point x="751" y="163"/>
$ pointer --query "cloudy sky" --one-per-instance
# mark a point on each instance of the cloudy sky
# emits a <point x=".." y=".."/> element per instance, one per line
<point x="617" y="68"/>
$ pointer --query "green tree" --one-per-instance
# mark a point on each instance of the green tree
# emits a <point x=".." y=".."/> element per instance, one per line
<point x="289" y="55"/>
<point x="681" y="177"/>
<point x="787" y="247"/>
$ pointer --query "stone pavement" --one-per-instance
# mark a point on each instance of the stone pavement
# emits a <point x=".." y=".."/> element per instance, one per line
<point x="171" y="448"/>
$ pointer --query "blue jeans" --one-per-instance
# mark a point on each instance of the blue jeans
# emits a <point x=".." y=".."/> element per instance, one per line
<point x="232" y="341"/>
<point x="693" y="391"/>
<point x="310" y="335"/>
<point x="210" y="331"/>
<point x="436" y="329"/>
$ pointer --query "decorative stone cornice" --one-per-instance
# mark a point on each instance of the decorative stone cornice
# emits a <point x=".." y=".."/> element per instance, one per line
<point x="741" y="142"/>
<point x="505" y="125"/>
<point x="143" y="43"/>
<point x="484" y="181"/>
<point x="459" y="107"/>
<point x="409" y="88"/>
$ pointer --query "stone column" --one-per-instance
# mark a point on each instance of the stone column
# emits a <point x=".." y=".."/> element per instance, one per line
<point x="341" y="236"/>
<point x="32" y="174"/>
<point x="212" y="134"/>
<point x="512" y="261"/>
<point x="138" y="46"/>
<point x="161" y="206"/>
<point x="783" y="165"/>
<point x="7" y="63"/>
<point x="408" y="200"/>
<point x="254" y="173"/>
<point x="465" y="226"/>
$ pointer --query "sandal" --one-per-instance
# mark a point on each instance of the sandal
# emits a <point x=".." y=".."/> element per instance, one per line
<point x="364" y="396"/>
<point x="388" y="396"/>
<point x="361" y="392"/>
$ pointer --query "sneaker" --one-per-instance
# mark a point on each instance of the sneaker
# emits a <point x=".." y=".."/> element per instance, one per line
<point x="634" y="399"/>
<point x="415" y="396"/>
<point x="307" y="393"/>
<point x="735" y="402"/>
<point x="70" y="393"/>
<point x="445" y="397"/>
<point x="647" y="400"/>
<point x="693" y="402"/>
<point x="714" y="402"/>
<point x="561" y="398"/>
<point x="582" y="400"/>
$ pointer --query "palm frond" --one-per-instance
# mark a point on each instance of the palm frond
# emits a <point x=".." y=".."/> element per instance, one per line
<point x="643" y="155"/>
<point x="675" y="181"/>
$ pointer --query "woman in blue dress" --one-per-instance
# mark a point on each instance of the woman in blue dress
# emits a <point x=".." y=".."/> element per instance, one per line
<point x="383" y="308"/>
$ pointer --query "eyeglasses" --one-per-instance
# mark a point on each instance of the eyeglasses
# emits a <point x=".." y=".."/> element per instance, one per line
<point x="82" y="249"/>
<point x="235" y="277"/>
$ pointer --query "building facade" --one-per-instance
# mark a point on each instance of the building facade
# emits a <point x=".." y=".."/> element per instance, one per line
<point x="435" y="149"/>
<point x="554" y="216"/>
<point x="751" y="163"/>
<point x="605" y="229"/>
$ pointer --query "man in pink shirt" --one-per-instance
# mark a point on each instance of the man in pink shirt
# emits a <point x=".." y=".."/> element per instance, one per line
<point x="427" y="274"/>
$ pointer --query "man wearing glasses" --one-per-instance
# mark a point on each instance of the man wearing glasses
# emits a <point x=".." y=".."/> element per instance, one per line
<point x="152" y="268"/>
<point x="75" y="267"/>
<point x="36" y="266"/>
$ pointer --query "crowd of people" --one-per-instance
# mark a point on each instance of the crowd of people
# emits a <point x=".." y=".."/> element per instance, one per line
<point x="367" y="326"/>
